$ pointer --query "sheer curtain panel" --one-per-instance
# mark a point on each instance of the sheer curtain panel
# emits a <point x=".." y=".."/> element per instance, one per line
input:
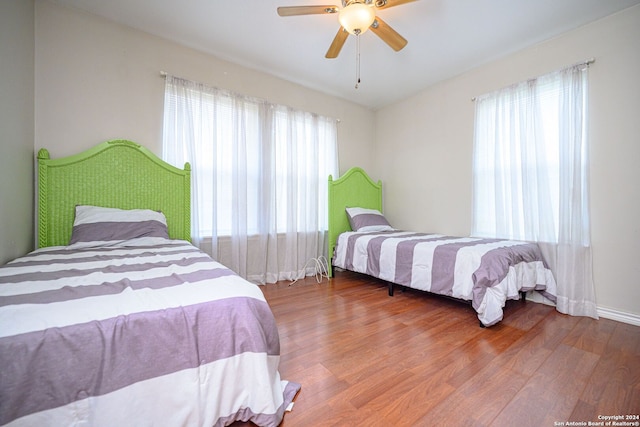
<point x="530" y="169"/>
<point x="259" y="173"/>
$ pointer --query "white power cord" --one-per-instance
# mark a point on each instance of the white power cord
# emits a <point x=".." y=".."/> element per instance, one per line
<point x="321" y="266"/>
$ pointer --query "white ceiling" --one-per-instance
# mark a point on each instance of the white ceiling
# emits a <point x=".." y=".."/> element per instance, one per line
<point x="446" y="37"/>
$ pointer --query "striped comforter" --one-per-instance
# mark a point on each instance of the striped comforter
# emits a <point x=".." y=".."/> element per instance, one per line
<point x="151" y="334"/>
<point x="486" y="272"/>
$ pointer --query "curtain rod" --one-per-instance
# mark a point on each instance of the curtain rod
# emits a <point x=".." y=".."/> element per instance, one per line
<point x="165" y="74"/>
<point x="585" y="62"/>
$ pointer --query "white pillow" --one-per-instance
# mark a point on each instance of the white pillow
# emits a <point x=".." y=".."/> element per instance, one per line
<point x="362" y="219"/>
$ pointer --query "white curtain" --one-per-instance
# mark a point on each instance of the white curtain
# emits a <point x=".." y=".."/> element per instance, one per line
<point x="259" y="178"/>
<point x="530" y="168"/>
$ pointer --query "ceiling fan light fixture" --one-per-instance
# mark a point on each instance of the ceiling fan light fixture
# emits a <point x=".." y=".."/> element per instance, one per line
<point x="356" y="18"/>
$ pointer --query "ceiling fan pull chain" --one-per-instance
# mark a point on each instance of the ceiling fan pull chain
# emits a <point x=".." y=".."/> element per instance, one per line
<point x="357" y="60"/>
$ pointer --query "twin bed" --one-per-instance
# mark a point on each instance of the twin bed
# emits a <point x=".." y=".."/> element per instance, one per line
<point x="484" y="272"/>
<point x="118" y="320"/>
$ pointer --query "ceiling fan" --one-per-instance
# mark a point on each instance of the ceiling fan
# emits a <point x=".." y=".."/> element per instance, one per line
<point x="355" y="17"/>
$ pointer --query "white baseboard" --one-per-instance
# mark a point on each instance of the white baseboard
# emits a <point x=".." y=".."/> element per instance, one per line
<point x="620" y="316"/>
<point x="607" y="313"/>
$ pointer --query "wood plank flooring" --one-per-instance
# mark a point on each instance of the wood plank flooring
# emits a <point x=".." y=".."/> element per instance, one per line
<point x="366" y="359"/>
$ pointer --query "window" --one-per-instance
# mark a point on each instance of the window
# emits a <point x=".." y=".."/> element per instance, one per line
<point x="520" y="151"/>
<point x="259" y="171"/>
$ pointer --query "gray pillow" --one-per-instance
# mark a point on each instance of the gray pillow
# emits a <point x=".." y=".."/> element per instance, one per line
<point x="98" y="224"/>
<point x="362" y="219"/>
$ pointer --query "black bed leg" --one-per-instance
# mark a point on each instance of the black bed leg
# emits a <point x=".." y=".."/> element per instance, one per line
<point x="390" y="289"/>
<point x="481" y="324"/>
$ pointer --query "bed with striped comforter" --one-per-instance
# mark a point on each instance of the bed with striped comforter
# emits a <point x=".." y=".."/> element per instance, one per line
<point x="485" y="272"/>
<point x="148" y="332"/>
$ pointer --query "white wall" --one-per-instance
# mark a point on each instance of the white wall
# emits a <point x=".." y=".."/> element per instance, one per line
<point x="97" y="80"/>
<point x="429" y="140"/>
<point x="16" y="128"/>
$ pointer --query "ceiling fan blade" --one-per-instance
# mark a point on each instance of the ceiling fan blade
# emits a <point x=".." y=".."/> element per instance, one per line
<point x="384" y="4"/>
<point x="388" y="34"/>
<point x="306" y="10"/>
<point x="337" y="43"/>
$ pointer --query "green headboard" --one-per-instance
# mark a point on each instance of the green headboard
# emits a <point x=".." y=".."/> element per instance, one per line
<point x="353" y="189"/>
<point x="114" y="174"/>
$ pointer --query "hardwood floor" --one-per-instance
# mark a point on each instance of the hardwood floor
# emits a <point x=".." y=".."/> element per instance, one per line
<point x="366" y="359"/>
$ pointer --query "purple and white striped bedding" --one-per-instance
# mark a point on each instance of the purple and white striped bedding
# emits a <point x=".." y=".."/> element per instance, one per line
<point x="486" y="272"/>
<point x="152" y="334"/>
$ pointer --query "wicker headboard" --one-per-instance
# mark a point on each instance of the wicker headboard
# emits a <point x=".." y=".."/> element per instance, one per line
<point x="353" y="189"/>
<point x="115" y="174"/>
